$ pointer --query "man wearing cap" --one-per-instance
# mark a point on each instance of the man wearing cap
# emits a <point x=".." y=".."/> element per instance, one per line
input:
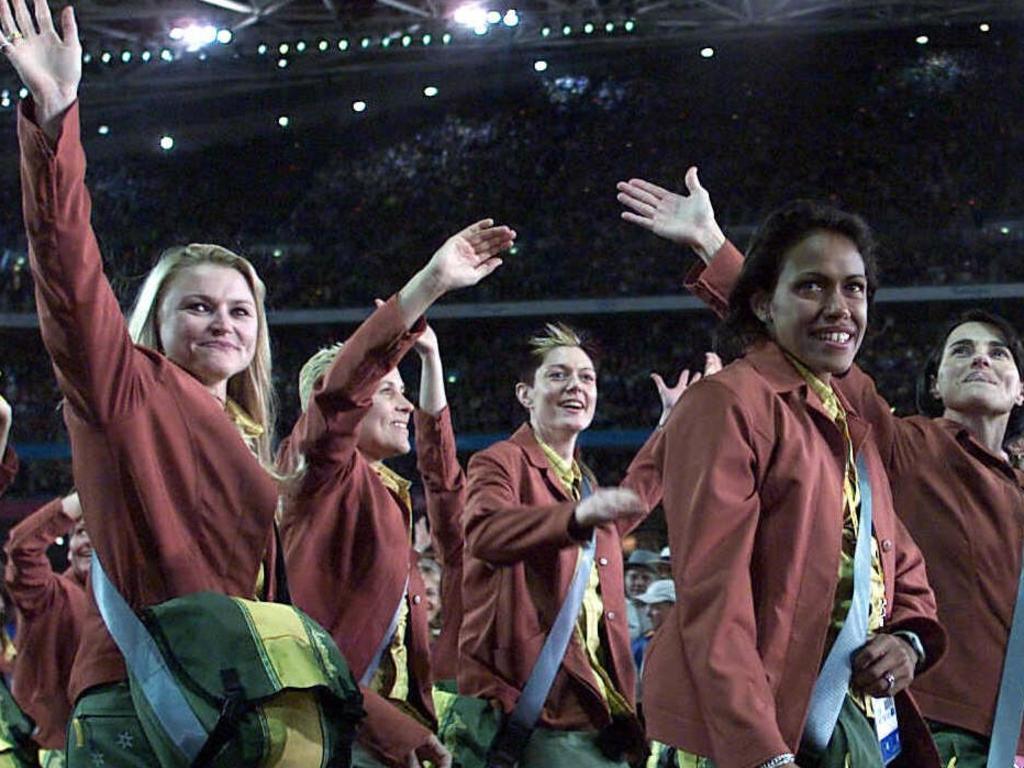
<point x="640" y="572"/>
<point x="657" y="599"/>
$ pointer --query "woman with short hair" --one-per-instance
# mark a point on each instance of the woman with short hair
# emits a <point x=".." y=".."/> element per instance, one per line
<point x="792" y="620"/>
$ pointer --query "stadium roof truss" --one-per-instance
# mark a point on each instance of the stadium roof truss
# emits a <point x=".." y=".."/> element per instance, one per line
<point x="146" y="22"/>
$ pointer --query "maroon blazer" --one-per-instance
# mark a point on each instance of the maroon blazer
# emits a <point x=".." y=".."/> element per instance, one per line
<point x="964" y="507"/>
<point x="753" y="499"/>
<point x="520" y="561"/>
<point x="174" y="500"/>
<point x="445" y="485"/>
<point x="347" y="539"/>
<point x="50" y="608"/>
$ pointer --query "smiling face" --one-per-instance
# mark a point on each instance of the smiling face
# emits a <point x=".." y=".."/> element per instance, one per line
<point x="79" y="545"/>
<point x="562" y="397"/>
<point x="818" y="311"/>
<point x="384" y="431"/>
<point x="208" y="324"/>
<point x="977" y="374"/>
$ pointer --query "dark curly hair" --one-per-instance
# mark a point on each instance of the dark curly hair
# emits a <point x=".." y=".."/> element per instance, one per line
<point x="783" y="229"/>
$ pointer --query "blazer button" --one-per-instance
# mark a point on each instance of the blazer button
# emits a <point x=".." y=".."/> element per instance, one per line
<point x="886" y="545"/>
<point x="611" y="615"/>
<point x="602" y="561"/>
<point x="416" y="599"/>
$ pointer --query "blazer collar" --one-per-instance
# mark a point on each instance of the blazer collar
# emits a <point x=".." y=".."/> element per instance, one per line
<point x="527" y="441"/>
<point x="768" y="359"/>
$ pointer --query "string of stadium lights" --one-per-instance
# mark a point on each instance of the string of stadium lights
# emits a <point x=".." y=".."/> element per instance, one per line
<point x="194" y="38"/>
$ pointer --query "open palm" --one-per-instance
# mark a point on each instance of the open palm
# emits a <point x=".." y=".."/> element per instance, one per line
<point x="679" y="218"/>
<point x="50" y="66"/>
<point x="469" y="256"/>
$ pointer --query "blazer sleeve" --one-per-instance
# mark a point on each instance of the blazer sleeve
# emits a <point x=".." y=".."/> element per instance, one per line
<point x="80" y="320"/>
<point x="643" y="477"/>
<point x="444" y="483"/>
<point x="499" y="528"/>
<point x="711" y="459"/>
<point x="326" y="433"/>
<point x="30" y="579"/>
<point x="713" y="283"/>
<point x="387" y="733"/>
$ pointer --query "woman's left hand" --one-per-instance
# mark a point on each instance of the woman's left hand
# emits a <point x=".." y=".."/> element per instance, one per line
<point x="884" y="666"/>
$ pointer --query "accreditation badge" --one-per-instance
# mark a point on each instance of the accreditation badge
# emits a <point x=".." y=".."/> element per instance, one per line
<point x="887" y="728"/>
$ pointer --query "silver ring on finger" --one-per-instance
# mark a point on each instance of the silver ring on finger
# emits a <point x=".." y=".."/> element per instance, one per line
<point x="890" y="681"/>
<point x="14" y="37"/>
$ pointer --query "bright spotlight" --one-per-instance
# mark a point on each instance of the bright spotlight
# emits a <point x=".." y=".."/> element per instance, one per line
<point x="106" y="57"/>
<point x="609" y="27"/>
<point x="284" y="121"/>
<point x="430" y="91"/>
<point x="629" y="26"/>
<point x="262" y="49"/>
<point x="511" y="18"/>
<point x="545" y="31"/>
<point x="103" y="130"/>
<point x="921" y="40"/>
<point x="323" y="45"/>
<point x="540" y="66"/>
<point x="282" y="63"/>
<point x="708" y="52"/>
<point x="427" y="39"/>
<point x="166" y="143"/>
<point x="446" y="38"/>
<point x="23" y="93"/>
<point x="566" y="30"/>
<point x="365" y="42"/>
<point x="283" y="48"/>
<point x="177" y="33"/>
<point x="984" y="27"/>
<point x="225" y="36"/>
<point x="493" y="17"/>
<point x="588" y="28"/>
<point x="358" y="106"/>
<point x="480" y="29"/>
<point x="146" y="55"/>
<point x="470" y="15"/>
<point x="300" y="46"/>
<point x="406" y="41"/>
<point x="343" y="45"/>
<point x="195" y="36"/>
<point x="166" y="55"/>
<point x="126" y="56"/>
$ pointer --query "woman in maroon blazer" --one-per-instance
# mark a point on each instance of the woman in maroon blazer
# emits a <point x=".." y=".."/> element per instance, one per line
<point x="525" y="521"/>
<point x="347" y="518"/>
<point x="952" y="482"/>
<point x="759" y="495"/>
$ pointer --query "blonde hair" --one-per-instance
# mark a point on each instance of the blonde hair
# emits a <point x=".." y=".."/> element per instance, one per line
<point x="313" y="371"/>
<point x="252" y="388"/>
<point x="553" y="336"/>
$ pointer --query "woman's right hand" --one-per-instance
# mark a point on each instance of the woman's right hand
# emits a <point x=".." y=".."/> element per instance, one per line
<point x="49" y="66"/>
<point x="683" y="219"/>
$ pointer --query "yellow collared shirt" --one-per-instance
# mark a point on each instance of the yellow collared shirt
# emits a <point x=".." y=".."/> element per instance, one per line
<point x="588" y="626"/>
<point x="392" y="676"/>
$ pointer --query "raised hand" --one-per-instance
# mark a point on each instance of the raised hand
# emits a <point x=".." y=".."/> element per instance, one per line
<point x="49" y="65"/>
<point x="427" y="345"/>
<point x="669" y="396"/>
<point x="607" y="504"/>
<point x="683" y="219"/>
<point x="468" y="257"/>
